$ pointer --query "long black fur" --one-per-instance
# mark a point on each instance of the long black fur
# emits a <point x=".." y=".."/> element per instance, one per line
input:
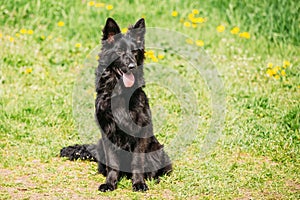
<point x="127" y="146"/>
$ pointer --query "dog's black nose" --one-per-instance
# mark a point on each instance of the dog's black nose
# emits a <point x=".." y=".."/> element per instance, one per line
<point x="131" y="66"/>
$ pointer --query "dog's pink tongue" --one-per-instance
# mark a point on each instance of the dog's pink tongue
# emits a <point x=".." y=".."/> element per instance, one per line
<point x="128" y="79"/>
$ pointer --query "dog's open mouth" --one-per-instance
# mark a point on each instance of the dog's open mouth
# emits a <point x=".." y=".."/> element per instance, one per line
<point x="128" y="78"/>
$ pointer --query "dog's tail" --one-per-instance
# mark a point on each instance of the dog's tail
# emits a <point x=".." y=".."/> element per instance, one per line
<point x="82" y="152"/>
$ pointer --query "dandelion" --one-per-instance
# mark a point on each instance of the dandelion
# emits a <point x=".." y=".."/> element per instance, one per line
<point x="220" y="28"/>
<point x="91" y="3"/>
<point x="235" y="30"/>
<point x="11" y="39"/>
<point x="28" y="70"/>
<point x="149" y="53"/>
<point x="23" y="31"/>
<point x="286" y="64"/>
<point x="30" y="32"/>
<point x="100" y="5"/>
<point x="154" y="59"/>
<point x="1" y="35"/>
<point x="244" y="35"/>
<point x="276" y="69"/>
<point x="160" y="56"/>
<point x="191" y="17"/>
<point x="270" y="72"/>
<point x="60" y="23"/>
<point x="277" y="77"/>
<point x="283" y="73"/>
<point x="43" y="37"/>
<point x="174" y="13"/>
<point x="124" y="30"/>
<point x="189" y="41"/>
<point x="187" y="24"/>
<point x="78" y="45"/>
<point x="200" y="43"/>
<point x="198" y="20"/>
<point x="195" y="11"/>
<point x="109" y="7"/>
<point x="270" y="65"/>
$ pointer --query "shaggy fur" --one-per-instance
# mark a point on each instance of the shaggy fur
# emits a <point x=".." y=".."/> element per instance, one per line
<point x="127" y="146"/>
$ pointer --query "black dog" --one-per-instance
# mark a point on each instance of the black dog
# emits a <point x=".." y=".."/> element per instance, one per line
<point x="128" y="146"/>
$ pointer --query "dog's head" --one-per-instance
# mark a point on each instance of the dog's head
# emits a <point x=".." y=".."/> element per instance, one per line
<point x="124" y="52"/>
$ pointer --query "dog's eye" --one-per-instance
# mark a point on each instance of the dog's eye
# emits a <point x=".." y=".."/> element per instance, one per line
<point x="135" y="52"/>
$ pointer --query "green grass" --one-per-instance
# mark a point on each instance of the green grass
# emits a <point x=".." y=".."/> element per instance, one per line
<point x="256" y="157"/>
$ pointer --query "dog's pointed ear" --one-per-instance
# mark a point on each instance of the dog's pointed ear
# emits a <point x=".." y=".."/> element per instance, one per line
<point x="140" y="24"/>
<point x="138" y="31"/>
<point x="110" y="29"/>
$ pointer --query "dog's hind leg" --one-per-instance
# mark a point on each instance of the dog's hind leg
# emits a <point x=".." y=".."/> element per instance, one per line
<point x="83" y="152"/>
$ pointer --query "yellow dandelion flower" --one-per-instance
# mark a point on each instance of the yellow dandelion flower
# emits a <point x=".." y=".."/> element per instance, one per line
<point x="154" y="59"/>
<point x="220" y="28"/>
<point x="270" y="72"/>
<point x="276" y="69"/>
<point x="18" y="34"/>
<point x="286" y="63"/>
<point x="160" y="56"/>
<point x="187" y="24"/>
<point x="191" y="17"/>
<point x="43" y="37"/>
<point x="195" y="11"/>
<point x="235" y="30"/>
<point x="283" y="73"/>
<point x="91" y="3"/>
<point x="244" y="35"/>
<point x="189" y="41"/>
<point x="149" y="53"/>
<point x="277" y="77"/>
<point x="198" y="20"/>
<point x="109" y="7"/>
<point x="78" y="45"/>
<point x="200" y="43"/>
<point x="174" y="13"/>
<point x="23" y="31"/>
<point x="11" y="39"/>
<point x="194" y="25"/>
<point x="60" y="23"/>
<point x="270" y="65"/>
<point x="100" y="5"/>
<point x="28" y="70"/>
<point x="30" y="32"/>
<point x="1" y="35"/>
<point x="124" y="30"/>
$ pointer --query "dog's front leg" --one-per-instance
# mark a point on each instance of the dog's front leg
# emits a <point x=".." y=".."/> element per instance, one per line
<point x="112" y="168"/>
<point x="137" y="166"/>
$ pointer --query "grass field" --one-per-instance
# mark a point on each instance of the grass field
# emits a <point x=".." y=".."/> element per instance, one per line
<point x="255" y="47"/>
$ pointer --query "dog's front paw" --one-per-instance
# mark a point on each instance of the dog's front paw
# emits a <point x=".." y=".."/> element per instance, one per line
<point x="140" y="187"/>
<point x="106" y="187"/>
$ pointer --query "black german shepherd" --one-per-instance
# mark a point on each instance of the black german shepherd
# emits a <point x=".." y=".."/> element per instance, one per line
<point x="128" y="146"/>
